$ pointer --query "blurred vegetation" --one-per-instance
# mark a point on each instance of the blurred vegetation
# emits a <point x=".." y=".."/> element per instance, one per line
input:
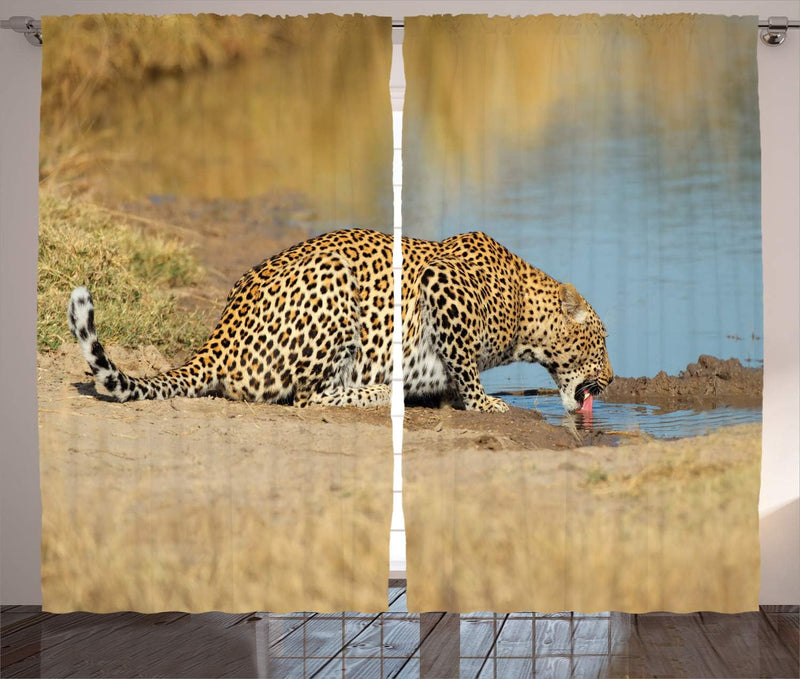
<point x="92" y="58"/>
<point x="128" y="275"/>
<point x="94" y="52"/>
<point x="221" y="107"/>
<point x="655" y="526"/>
<point x="483" y="85"/>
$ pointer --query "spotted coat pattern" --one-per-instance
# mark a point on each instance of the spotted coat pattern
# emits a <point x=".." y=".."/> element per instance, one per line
<point x="469" y="305"/>
<point x="313" y="325"/>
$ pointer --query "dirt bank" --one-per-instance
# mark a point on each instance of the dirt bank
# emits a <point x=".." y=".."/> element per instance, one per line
<point x="709" y="383"/>
<point x="64" y="383"/>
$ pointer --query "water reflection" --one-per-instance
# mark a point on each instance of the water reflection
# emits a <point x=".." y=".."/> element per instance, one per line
<point x="635" y="417"/>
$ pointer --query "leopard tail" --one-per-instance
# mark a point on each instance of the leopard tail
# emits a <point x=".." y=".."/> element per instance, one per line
<point x="188" y="380"/>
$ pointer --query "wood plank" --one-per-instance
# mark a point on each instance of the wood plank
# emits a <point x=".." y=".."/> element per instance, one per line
<point x="478" y="635"/>
<point x="371" y="668"/>
<point x="730" y="642"/>
<point x="302" y="668"/>
<point x="590" y="665"/>
<point x="590" y="636"/>
<point x="19" y="621"/>
<point x="619" y="644"/>
<point x="274" y="628"/>
<point x="512" y="668"/>
<point x="399" y="604"/>
<point x="17" y="610"/>
<point x="516" y="638"/>
<point x="130" y="644"/>
<point x="490" y="662"/>
<point x="553" y="667"/>
<point x="319" y="637"/>
<point x="24" y="641"/>
<point x="411" y="670"/>
<point x="397" y="597"/>
<point x="553" y="636"/>
<point x="786" y="627"/>
<point x="470" y="668"/>
<point x="357" y="622"/>
<point x="386" y="637"/>
<point x="440" y="645"/>
<point x="778" y="645"/>
<point x="707" y="645"/>
<point x="754" y="644"/>
<point x="773" y="608"/>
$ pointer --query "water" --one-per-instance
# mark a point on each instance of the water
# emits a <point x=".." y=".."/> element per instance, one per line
<point x="634" y="417"/>
<point x="624" y="163"/>
<point x="671" y="264"/>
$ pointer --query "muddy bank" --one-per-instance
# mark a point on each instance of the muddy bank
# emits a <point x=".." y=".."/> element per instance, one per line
<point x="63" y="381"/>
<point x="706" y="384"/>
<point x="517" y="429"/>
<point x="709" y="383"/>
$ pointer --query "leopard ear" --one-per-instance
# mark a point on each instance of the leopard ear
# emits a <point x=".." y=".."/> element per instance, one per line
<point x="572" y="304"/>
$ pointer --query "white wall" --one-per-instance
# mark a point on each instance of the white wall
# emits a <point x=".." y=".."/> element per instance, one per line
<point x="779" y="75"/>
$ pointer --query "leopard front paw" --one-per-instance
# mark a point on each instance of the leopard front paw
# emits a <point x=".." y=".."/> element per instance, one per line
<point x="488" y="404"/>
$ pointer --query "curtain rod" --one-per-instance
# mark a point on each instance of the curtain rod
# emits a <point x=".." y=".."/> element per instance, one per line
<point x="774" y="32"/>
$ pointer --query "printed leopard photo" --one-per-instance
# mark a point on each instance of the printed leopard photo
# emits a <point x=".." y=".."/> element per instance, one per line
<point x="167" y="175"/>
<point x="217" y="308"/>
<point x="313" y="325"/>
<point x="613" y="154"/>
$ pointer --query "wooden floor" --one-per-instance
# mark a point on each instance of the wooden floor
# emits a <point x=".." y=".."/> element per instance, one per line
<point x="397" y="644"/>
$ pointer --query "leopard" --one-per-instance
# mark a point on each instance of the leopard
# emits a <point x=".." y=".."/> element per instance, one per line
<point x="314" y="325"/>
<point x="470" y="304"/>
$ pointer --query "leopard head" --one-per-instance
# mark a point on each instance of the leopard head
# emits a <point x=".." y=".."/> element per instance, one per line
<point x="561" y="331"/>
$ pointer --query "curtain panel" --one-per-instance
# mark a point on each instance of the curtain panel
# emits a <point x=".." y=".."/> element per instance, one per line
<point x="619" y="156"/>
<point x="177" y="152"/>
<point x="580" y="193"/>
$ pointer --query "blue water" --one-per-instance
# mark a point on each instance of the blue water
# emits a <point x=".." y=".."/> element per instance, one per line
<point x="667" y="252"/>
<point x="632" y="417"/>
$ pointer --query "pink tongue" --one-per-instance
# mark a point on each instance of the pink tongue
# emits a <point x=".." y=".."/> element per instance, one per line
<point x="587" y="405"/>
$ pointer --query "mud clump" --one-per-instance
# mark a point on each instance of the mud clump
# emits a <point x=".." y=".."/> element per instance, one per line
<point x="710" y="382"/>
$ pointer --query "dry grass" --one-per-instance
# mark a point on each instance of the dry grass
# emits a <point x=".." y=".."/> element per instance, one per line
<point x="128" y="273"/>
<point x="655" y="526"/>
<point x="207" y="504"/>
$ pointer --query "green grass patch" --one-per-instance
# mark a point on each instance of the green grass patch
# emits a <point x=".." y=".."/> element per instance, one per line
<point x="128" y="273"/>
<point x="596" y="475"/>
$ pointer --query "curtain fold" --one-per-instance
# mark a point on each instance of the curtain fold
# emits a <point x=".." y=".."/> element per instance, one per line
<point x="176" y="153"/>
<point x="620" y="154"/>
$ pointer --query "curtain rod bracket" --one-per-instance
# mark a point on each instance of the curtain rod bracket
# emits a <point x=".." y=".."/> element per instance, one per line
<point x="775" y="31"/>
<point x="31" y="28"/>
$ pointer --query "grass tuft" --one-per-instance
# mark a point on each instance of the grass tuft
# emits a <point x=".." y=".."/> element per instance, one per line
<point x="128" y="274"/>
<point x="596" y="475"/>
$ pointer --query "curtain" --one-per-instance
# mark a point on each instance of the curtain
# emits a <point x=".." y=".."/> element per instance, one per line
<point x="176" y="153"/>
<point x="619" y="154"/>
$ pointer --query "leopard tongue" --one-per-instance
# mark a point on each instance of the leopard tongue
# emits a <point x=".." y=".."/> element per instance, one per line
<point x="587" y="405"/>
